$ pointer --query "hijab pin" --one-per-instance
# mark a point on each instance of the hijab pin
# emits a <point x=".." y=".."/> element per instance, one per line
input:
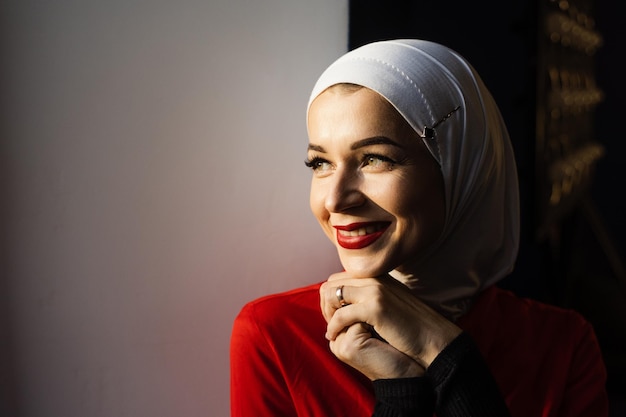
<point x="429" y="132"/>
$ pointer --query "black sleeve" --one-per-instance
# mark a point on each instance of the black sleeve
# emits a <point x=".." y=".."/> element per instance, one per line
<point x="404" y="397"/>
<point x="457" y="384"/>
<point x="463" y="384"/>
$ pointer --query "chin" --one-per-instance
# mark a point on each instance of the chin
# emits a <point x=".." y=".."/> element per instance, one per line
<point x="361" y="268"/>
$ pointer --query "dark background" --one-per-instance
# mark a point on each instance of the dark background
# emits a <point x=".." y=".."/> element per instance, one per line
<point x="500" y="38"/>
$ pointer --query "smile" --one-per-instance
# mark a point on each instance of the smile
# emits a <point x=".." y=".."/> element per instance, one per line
<point x="360" y="235"/>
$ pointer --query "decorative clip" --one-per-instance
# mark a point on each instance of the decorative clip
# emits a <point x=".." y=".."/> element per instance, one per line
<point x="429" y="132"/>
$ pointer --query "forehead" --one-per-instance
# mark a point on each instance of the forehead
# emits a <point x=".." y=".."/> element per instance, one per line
<point x="353" y="114"/>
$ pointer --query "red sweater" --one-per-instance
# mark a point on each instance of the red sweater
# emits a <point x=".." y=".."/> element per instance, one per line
<point x="546" y="360"/>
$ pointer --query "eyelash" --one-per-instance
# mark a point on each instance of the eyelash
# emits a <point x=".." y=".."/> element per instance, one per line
<point x="314" y="162"/>
<point x="381" y="157"/>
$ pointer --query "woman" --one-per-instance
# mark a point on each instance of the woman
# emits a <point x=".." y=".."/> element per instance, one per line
<point x="414" y="181"/>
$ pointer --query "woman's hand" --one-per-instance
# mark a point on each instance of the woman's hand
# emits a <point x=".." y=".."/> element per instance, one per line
<point x="415" y="333"/>
<point x="376" y="359"/>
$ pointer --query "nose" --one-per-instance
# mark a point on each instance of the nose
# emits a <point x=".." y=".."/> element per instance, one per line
<point x="344" y="191"/>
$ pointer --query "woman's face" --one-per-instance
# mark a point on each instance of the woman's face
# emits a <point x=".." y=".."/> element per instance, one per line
<point x="376" y="191"/>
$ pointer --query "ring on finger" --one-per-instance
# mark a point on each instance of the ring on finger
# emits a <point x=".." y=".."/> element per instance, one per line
<point x="339" y="294"/>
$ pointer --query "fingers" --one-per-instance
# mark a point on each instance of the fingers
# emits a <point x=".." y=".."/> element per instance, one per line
<point x="339" y="291"/>
<point x="332" y="298"/>
<point x="344" y="318"/>
<point x="389" y="307"/>
<point x="352" y="339"/>
<point x="357" y="347"/>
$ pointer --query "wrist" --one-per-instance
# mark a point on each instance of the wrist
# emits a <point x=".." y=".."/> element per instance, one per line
<point x="436" y="344"/>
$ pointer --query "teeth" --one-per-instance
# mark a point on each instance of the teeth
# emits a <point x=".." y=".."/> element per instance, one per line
<point x="362" y="231"/>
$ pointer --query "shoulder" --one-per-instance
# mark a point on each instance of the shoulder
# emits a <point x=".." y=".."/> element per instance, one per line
<point x="286" y="300"/>
<point x="273" y="323"/>
<point x="548" y="314"/>
<point x="501" y="310"/>
<point x="539" y="353"/>
<point x="516" y="307"/>
<point x="281" y="307"/>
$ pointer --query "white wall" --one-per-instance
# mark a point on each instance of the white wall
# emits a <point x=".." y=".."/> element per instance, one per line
<point x="152" y="183"/>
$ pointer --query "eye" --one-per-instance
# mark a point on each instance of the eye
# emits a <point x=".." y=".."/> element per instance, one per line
<point x="378" y="161"/>
<point x="318" y="164"/>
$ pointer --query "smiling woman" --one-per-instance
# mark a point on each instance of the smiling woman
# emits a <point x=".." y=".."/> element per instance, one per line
<point x="364" y="157"/>
<point x="414" y="182"/>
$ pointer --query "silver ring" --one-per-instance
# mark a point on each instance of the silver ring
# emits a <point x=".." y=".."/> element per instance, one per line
<point x="339" y="294"/>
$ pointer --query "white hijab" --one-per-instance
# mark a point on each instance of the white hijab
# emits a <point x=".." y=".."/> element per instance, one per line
<point x="425" y="81"/>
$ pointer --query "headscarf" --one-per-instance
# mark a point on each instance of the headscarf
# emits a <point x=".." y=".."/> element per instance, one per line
<point x="426" y="81"/>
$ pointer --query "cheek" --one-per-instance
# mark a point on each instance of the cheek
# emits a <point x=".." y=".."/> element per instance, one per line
<point x="421" y="211"/>
<point x="424" y="215"/>
<point x="316" y="203"/>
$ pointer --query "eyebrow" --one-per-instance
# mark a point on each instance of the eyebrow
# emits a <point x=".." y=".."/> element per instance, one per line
<point x="375" y="140"/>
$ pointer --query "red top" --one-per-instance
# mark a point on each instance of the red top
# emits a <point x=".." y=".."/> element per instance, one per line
<point x="545" y="359"/>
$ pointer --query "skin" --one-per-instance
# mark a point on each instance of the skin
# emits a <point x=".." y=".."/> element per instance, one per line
<point x="393" y="182"/>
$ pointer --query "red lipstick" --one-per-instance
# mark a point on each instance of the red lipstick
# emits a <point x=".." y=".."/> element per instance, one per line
<point x="360" y="235"/>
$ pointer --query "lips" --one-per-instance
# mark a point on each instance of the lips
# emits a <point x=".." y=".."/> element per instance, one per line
<point x="360" y="235"/>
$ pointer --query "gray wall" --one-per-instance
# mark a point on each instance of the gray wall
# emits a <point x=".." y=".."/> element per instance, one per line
<point x="152" y="182"/>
